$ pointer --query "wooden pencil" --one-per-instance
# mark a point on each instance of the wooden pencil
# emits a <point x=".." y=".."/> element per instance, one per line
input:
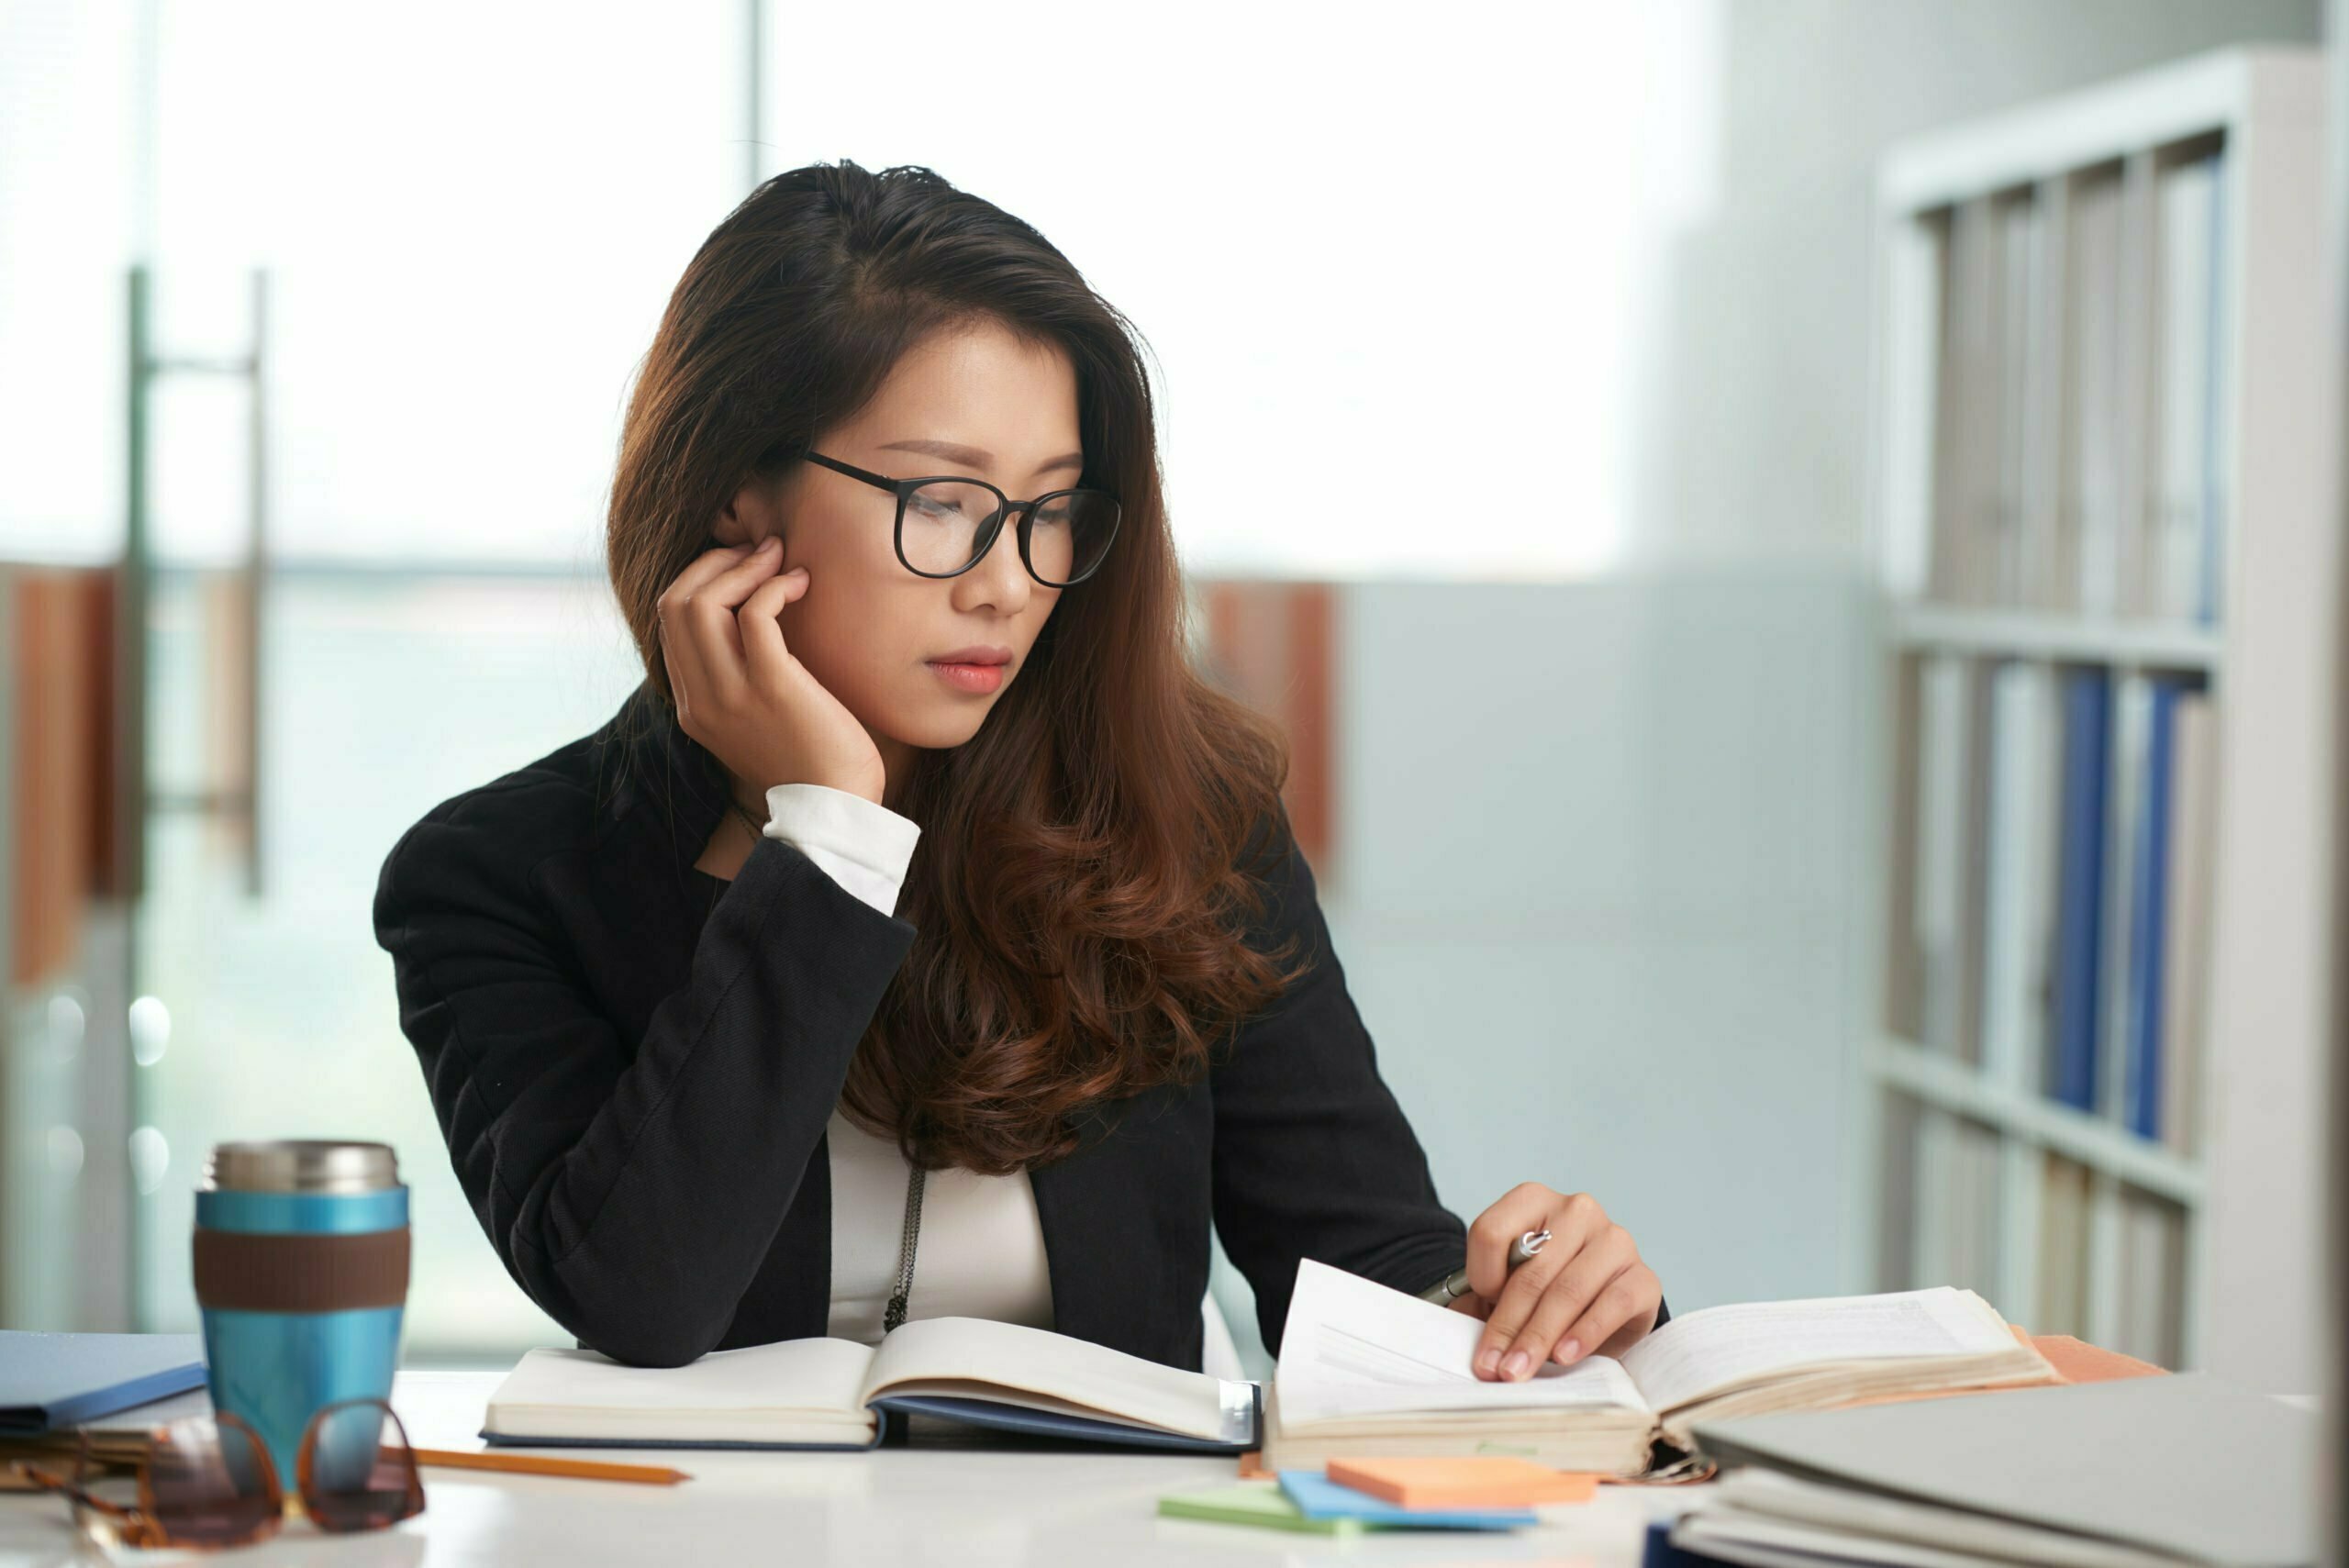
<point x="537" y="1465"/>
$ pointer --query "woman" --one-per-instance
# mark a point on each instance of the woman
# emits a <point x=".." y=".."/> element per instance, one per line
<point x="922" y="902"/>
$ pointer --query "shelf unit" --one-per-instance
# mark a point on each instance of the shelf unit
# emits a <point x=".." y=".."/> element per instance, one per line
<point x="2245" y="1192"/>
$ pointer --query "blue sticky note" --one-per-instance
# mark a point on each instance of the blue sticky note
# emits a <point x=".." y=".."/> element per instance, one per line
<point x="1319" y="1498"/>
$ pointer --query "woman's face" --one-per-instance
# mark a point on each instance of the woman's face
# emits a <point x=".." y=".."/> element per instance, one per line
<point x="970" y="401"/>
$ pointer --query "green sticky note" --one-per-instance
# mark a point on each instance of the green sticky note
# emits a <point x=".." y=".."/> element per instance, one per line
<point x="1252" y="1503"/>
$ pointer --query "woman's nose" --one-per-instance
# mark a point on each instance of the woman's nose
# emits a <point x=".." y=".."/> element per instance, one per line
<point x="1001" y="572"/>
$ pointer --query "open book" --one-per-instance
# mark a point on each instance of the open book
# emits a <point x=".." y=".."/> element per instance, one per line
<point x="1367" y="1371"/>
<point x="837" y="1394"/>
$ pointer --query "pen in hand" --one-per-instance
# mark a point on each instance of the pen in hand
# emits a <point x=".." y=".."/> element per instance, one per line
<point x="1455" y="1284"/>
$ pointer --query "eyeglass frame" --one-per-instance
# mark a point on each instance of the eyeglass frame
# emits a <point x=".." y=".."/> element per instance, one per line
<point x="904" y="488"/>
<point x="141" y="1525"/>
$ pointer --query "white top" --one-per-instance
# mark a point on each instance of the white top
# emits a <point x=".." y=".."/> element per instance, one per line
<point x="981" y="1249"/>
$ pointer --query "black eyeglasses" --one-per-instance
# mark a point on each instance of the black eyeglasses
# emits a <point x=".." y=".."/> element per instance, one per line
<point x="947" y="523"/>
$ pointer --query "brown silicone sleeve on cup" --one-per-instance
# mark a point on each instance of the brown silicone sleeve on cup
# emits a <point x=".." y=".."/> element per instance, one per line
<point x="240" y="1272"/>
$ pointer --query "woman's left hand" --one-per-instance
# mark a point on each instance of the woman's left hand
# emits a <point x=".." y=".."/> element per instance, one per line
<point x="1585" y="1290"/>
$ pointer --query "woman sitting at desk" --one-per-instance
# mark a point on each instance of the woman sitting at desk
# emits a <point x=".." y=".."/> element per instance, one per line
<point x="922" y="902"/>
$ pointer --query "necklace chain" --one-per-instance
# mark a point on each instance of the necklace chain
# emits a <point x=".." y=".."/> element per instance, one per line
<point x="895" y="1314"/>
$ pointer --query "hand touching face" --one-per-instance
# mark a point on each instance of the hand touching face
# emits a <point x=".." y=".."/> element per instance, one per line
<point x="741" y="692"/>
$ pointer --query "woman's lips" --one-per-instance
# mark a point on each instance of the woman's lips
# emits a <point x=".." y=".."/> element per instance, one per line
<point x="977" y="678"/>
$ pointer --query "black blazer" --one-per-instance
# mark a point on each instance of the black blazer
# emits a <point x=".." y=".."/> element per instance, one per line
<point x="633" y="1061"/>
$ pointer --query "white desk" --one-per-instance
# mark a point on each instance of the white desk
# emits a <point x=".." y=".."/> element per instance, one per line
<point x="950" y="1496"/>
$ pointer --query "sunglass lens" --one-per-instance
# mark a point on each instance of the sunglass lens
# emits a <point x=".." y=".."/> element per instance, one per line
<point x="211" y="1483"/>
<point x="358" y="1472"/>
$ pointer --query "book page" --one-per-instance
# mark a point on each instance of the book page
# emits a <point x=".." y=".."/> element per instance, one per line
<point x="1717" y="1347"/>
<point x="1353" y="1347"/>
<point x="790" y="1375"/>
<point x="948" y="1355"/>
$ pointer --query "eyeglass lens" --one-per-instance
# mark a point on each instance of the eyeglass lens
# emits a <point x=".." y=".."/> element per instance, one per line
<point x="1067" y="536"/>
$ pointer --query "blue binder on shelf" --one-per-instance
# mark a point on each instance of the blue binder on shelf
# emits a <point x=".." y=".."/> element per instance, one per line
<point x="2079" y="904"/>
<point x="2148" y="915"/>
<point x="48" y="1382"/>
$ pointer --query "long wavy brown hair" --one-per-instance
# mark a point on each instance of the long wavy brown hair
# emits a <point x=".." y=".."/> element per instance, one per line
<point x="1085" y="883"/>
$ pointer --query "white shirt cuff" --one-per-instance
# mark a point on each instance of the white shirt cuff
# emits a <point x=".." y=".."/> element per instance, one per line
<point x="862" y="846"/>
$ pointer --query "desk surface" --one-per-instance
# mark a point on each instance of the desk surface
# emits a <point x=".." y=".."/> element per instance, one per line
<point x="951" y="1494"/>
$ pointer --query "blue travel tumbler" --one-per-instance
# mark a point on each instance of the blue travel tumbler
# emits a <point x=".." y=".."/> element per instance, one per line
<point x="301" y="1269"/>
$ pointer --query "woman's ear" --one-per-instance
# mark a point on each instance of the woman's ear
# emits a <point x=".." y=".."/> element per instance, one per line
<point x="750" y="516"/>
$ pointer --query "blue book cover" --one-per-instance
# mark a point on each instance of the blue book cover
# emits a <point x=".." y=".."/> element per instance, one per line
<point x="2079" y="899"/>
<point x="54" y="1381"/>
<point x="2149" y="903"/>
<point x="1658" y="1551"/>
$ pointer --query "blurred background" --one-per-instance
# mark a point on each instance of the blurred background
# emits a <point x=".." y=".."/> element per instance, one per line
<point x="1791" y="537"/>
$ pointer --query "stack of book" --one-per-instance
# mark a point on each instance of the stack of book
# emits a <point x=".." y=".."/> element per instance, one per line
<point x="2148" y="1472"/>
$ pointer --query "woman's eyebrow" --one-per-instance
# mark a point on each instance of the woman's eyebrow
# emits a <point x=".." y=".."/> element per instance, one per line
<point x="972" y="456"/>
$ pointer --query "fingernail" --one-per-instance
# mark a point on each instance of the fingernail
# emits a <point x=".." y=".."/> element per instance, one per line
<point x="767" y="543"/>
<point x="1515" y="1366"/>
<point x="1487" y="1358"/>
<point x="1568" y="1351"/>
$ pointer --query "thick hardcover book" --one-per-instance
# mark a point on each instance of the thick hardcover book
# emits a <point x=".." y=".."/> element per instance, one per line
<point x="1366" y="1371"/>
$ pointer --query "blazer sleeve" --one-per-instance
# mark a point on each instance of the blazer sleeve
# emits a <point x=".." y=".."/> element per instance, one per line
<point x="631" y="1187"/>
<point x="1313" y="1157"/>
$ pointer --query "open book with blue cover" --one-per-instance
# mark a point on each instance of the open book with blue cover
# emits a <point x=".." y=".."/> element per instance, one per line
<point x="838" y="1394"/>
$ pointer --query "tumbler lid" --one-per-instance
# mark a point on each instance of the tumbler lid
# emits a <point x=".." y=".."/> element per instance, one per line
<point x="301" y="1165"/>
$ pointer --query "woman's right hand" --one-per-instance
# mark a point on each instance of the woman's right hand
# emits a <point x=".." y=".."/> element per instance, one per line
<point x="742" y="694"/>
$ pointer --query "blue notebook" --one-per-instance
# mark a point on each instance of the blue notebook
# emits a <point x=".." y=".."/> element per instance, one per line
<point x="827" y="1393"/>
<point x="50" y="1381"/>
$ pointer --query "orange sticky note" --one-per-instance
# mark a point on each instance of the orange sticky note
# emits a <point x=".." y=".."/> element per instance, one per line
<point x="1481" y="1481"/>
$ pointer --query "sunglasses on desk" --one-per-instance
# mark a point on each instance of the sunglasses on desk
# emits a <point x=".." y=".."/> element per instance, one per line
<point x="207" y="1482"/>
